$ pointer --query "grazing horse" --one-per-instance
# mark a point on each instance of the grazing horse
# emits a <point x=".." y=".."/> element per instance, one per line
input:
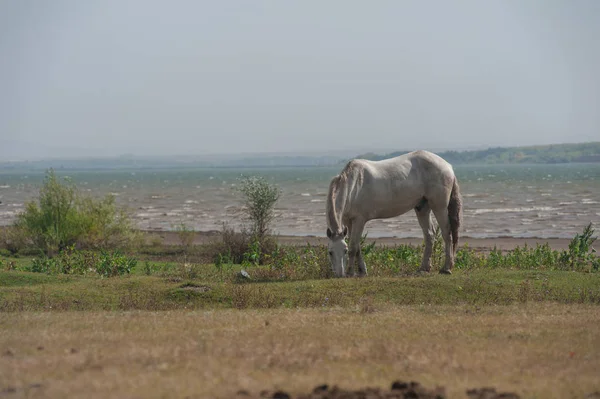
<point x="367" y="190"/>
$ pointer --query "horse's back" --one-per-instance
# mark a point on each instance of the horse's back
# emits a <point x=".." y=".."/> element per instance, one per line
<point x="416" y="165"/>
<point x="395" y="185"/>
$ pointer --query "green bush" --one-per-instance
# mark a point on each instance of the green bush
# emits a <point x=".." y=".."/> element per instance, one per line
<point x="54" y="223"/>
<point x="104" y="225"/>
<point x="114" y="264"/>
<point x="259" y="197"/>
<point x="581" y="254"/>
<point x="63" y="217"/>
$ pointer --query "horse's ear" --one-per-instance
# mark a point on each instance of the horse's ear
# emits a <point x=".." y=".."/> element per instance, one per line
<point x="329" y="233"/>
<point x="345" y="230"/>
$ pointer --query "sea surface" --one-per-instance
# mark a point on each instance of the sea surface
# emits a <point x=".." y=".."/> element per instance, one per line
<point x="545" y="201"/>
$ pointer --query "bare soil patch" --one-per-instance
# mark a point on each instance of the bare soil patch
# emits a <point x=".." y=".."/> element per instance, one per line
<point x="398" y="390"/>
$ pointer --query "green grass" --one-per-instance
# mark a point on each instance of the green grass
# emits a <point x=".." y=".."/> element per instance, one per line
<point x="35" y="291"/>
<point x="298" y="277"/>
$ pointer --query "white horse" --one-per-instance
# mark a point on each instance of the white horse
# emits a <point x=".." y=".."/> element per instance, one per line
<point x="367" y="190"/>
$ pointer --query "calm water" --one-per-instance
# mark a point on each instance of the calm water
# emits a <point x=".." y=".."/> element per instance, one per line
<point x="499" y="200"/>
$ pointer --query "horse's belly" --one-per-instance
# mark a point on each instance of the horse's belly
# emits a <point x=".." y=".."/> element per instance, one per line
<point x="386" y="202"/>
<point x="390" y="212"/>
<point x="384" y="208"/>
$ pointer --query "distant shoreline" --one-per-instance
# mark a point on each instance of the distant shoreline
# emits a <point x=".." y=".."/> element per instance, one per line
<point x="564" y="153"/>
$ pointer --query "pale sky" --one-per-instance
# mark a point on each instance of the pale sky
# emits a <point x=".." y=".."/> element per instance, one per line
<point x="107" y="77"/>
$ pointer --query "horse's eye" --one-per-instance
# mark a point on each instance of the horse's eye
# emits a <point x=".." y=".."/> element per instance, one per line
<point x="330" y="253"/>
<point x="345" y="251"/>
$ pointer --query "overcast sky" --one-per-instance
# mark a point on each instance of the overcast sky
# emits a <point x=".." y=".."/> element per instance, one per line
<point x="108" y="77"/>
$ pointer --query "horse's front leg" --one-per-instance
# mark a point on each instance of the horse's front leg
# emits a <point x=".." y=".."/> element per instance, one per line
<point x="355" y="252"/>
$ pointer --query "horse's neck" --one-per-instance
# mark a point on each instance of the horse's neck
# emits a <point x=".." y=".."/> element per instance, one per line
<point x="337" y="201"/>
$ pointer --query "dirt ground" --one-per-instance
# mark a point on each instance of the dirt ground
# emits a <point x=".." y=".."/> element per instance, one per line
<point x="534" y="350"/>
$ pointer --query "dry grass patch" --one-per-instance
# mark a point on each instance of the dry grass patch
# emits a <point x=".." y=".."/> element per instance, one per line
<point x="536" y="350"/>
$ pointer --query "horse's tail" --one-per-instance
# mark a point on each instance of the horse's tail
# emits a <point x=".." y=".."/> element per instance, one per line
<point x="455" y="213"/>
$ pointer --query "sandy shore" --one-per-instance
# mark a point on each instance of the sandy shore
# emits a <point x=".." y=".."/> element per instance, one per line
<point x="481" y="244"/>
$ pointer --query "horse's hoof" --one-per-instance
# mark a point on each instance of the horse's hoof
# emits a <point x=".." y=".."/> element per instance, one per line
<point x="423" y="271"/>
<point x="445" y="271"/>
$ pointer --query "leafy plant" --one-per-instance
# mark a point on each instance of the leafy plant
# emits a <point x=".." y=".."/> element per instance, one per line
<point x="114" y="264"/>
<point x="72" y="261"/>
<point x="253" y="254"/>
<point x="368" y="248"/>
<point x="259" y="197"/>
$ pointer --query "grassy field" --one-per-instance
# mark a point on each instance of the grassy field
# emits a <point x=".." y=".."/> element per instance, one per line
<point x="170" y="324"/>
<point x="25" y="291"/>
<point x="199" y="331"/>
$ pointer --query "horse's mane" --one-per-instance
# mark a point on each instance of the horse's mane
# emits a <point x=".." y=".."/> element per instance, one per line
<point x="340" y="188"/>
<point x="332" y="196"/>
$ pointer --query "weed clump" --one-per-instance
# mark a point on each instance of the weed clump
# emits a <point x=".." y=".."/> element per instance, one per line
<point x="71" y="261"/>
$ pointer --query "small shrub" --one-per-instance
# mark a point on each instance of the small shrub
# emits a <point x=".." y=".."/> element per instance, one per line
<point x="52" y="224"/>
<point x="233" y="245"/>
<point x="62" y="217"/>
<point x="259" y="197"/>
<point x="186" y="235"/>
<point x="114" y="264"/>
<point x="13" y="239"/>
<point x="581" y="254"/>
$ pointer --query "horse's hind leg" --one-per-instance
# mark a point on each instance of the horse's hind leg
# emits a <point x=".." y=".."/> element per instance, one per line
<point x="424" y="216"/>
<point x="441" y="214"/>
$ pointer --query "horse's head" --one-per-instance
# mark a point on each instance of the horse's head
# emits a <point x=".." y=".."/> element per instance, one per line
<point x="338" y="251"/>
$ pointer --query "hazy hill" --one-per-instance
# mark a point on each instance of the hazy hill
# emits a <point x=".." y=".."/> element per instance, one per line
<point x="545" y="154"/>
